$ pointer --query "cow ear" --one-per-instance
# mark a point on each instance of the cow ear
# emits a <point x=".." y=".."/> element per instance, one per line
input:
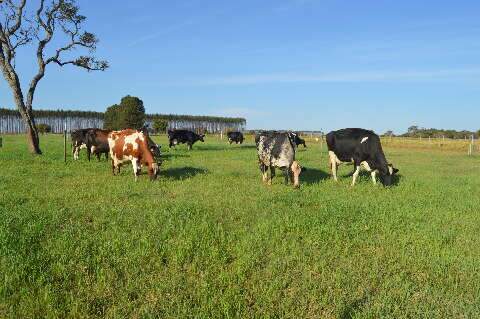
<point x="395" y="171"/>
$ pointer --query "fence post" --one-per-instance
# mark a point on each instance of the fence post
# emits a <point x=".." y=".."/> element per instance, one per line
<point x="470" y="147"/>
<point x="65" y="143"/>
<point x="1" y="141"/>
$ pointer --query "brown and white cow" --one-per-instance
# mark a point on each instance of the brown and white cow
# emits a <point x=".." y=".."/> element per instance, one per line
<point x="131" y="145"/>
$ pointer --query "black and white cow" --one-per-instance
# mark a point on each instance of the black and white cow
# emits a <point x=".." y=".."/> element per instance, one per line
<point x="183" y="136"/>
<point x="235" y="137"/>
<point x="79" y="141"/>
<point x="363" y="149"/>
<point x="278" y="150"/>
<point x="298" y="140"/>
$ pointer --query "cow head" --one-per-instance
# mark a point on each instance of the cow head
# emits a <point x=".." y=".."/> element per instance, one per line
<point x="387" y="178"/>
<point x="296" y="170"/>
<point x="155" y="149"/>
<point x="153" y="171"/>
<point x="200" y="137"/>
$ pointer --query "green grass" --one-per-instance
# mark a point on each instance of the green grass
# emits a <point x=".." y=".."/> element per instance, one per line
<point x="208" y="239"/>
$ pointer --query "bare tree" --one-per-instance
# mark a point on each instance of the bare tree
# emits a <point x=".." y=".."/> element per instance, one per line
<point x="36" y="27"/>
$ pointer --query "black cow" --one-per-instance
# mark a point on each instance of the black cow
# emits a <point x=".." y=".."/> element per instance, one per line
<point x="363" y="148"/>
<point x="298" y="140"/>
<point x="278" y="150"/>
<point x="97" y="143"/>
<point x="154" y="147"/>
<point x="236" y="137"/>
<point x="183" y="136"/>
<point x="79" y="141"/>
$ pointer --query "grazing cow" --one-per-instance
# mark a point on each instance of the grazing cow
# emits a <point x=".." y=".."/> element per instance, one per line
<point x="79" y="141"/>
<point x="298" y="140"/>
<point x="154" y="147"/>
<point x="236" y="137"/>
<point x="363" y="148"/>
<point x="97" y="143"/>
<point x="278" y="150"/>
<point x="132" y="146"/>
<point x="183" y="136"/>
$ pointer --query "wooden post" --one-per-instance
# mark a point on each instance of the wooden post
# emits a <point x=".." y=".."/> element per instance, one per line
<point x="470" y="147"/>
<point x="65" y="143"/>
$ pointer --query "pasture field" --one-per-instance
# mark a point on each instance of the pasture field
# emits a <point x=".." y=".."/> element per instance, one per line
<point x="209" y="240"/>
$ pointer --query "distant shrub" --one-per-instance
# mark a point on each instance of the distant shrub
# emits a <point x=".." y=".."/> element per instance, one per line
<point x="159" y="125"/>
<point x="44" y="128"/>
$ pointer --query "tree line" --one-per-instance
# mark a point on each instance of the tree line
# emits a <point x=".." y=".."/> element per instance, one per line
<point x="415" y="131"/>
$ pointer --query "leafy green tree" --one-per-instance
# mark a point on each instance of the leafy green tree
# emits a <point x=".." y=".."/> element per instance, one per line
<point x="160" y="125"/>
<point x="133" y="112"/>
<point x="130" y="113"/>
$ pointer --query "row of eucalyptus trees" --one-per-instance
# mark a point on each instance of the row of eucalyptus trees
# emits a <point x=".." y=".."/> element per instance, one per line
<point x="11" y="122"/>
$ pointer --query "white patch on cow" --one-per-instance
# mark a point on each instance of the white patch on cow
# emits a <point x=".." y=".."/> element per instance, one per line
<point x="355" y="175"/>
<point x="390" y="169"/>
<point x="83" y="145"/>
<point x="366" y="166"/>
<point x="334" y="162"/>
<point x="364" y="140"/>
<point x="93" y="149"/>
<point x="131" y="139"/>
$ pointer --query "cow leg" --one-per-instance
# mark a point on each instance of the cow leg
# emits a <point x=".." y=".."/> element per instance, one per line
<point x="135" y="167"/>
<point x="373" y="173"/>
<point x="333" y="164"/>
<point x="113" y="167"/>
<point x="189" y="146"/>
<point x="263" y="169"/>
<point x="272" y="174"/>
<point x="355" y="174"/>
<point x="287" y="173"/>
<point x="75" y="152"/>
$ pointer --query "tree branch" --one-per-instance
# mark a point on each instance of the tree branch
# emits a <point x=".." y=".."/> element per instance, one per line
<point x="18" y="17"/>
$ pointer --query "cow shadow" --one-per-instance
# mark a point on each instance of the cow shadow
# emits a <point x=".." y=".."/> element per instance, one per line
<point x="313" y="176"/>
<point x="168" y="156"/>
<point x="180" y="173"/>
<point x="366" y="176"/>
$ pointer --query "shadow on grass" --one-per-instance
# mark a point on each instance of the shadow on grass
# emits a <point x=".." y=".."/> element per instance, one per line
<point x="167" y="156"/>
<point x="313" y="176"/>
<point x="367" y="176"/>
<point x="180" y="173"/>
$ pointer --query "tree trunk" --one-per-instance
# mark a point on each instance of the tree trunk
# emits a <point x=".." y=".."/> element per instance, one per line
<point x="32" y="138"/>
<point x="27" y="116"/>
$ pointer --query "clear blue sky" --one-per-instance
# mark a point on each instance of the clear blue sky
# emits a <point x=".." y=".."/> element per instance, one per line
<point x="292" y="64"/>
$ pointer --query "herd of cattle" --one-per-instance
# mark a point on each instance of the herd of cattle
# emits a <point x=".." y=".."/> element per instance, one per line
<point x="274" y="150"/>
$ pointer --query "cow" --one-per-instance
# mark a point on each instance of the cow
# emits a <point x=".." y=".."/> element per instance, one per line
<point x="183" y="136"/>
<point x="298" y="140"/>
<point x="79" y="141"/>
<point x="97" y="143"/>
<point x="236" y="137"/>
<point x="362" y="148"/>
<point x="132" y="146"/>
<point x="278" y="150"/>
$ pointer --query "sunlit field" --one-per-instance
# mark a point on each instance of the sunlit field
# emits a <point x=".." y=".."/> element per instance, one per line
<point x="209" y="240"/>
